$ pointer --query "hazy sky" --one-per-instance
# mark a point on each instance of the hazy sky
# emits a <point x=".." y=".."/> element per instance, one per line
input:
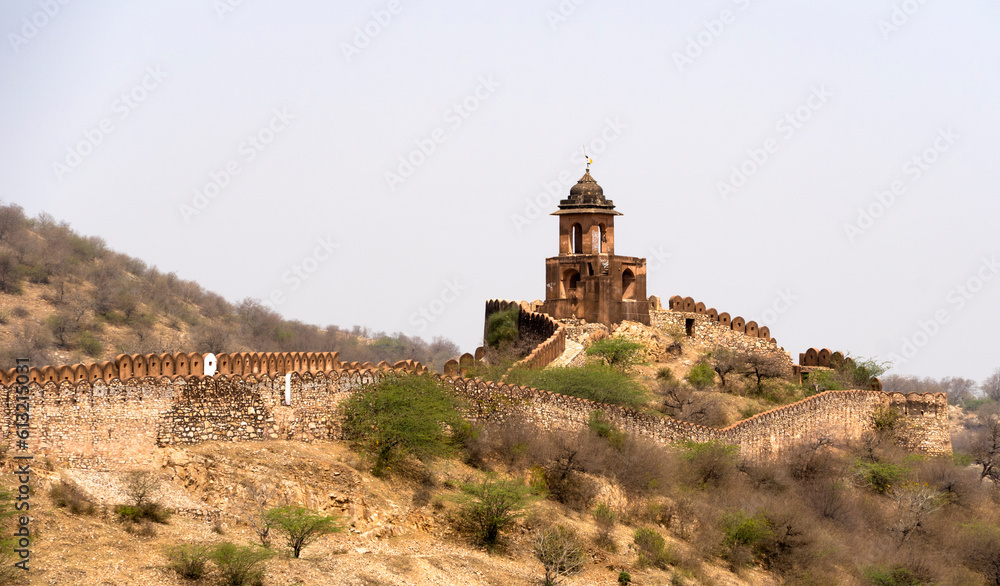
<point x="826" y="169"/>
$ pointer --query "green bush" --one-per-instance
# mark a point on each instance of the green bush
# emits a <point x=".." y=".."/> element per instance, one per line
<point x="976" y="404"/>
<point x="653" y="549"/>
<point x="710" y="462"/>
<point x="624" y="577"/>
<point x="885" y="419"/>
<point x="490" y="506"/>
<point x="701" y="376"/>
<point x="896" y="576"/>
<point x="604" y="518"/>
<point x="399" y="416"/>
<point x="301" y="525"/>
<point x="188" y="560"/>
<point x="148" y="511"/>
<point x="501" y="327"/>
<point x="596" y="382"/>
<point x="90" y="345"/>
<point x="617" y="352"/>
<point x="240" y="565"/>
<point x="600" y="425"/>
<point x="879" y="476"/>
<point x="750" y="531"/>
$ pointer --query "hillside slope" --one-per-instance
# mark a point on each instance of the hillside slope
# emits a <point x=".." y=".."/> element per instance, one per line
<point x="66" y="298"/>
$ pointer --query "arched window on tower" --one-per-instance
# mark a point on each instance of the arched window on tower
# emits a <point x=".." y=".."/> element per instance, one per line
<point x="604" y="239"/>
<point x="577" y="239"/>
<point x="570" y="280"/>
<point x="628" y="284"/>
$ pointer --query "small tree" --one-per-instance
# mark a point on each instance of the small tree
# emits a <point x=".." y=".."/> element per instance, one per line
<point x="140" y="487"/>
<point x="260" y="497"/>
<point x="302" y="526"/>
<point x="617" y="352"/>
<point x="724" y="361"/>
<point x="490" y="506"/>
<point x="560" y="551"/>
<point x="400" y="415"/>
<point x="983" y="444"/>
<point x="914" y="501"/>
<point x="763" y="366"/>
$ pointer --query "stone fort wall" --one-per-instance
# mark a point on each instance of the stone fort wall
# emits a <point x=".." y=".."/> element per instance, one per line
<point x="111" y="425"/>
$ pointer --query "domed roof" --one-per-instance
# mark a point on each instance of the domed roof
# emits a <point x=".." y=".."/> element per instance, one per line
<point x="586" y="189"/>
<point x="586" y="196"/>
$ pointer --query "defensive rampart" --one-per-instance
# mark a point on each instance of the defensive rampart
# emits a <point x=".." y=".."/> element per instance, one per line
<point x="118" y="424"/>
<point x="532" y="325"/>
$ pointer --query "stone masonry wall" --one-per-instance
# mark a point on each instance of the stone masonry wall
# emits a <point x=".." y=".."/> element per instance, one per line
<point x="710" y="333"/>
<point x="115" y="425"/>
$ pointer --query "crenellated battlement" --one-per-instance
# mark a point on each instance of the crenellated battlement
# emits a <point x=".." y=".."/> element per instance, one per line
<point x="113" y="424"/>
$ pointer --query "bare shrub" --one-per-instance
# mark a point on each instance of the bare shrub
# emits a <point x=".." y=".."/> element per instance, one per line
<point x="140" y="486"/>
<point x="829" y="499"/>
<point x="604" y="518"/>
<point x="642" y="467"/>
<point x="980" y="549"/>
<point x="983" y="443"/>
<point x="684" y="403"/>
<point x="518" y="443"/>
<point x="261" y="497"/>
<point x="560" y="551"/>
<point x="760" y="367"/>
<point x="31" y="341"/>
<point x="69" y="496"/>
<point x="708" y="463"/>
<point x="573" y="456"/>
<point x="914" y="502"/>
<point x="765" y="476"/>
<point x="812" y="459"/>
<point x="958" y="485"/>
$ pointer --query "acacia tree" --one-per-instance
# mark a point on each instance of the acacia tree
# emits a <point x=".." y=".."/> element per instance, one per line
<point x="302" y="526"/>
<point x="991" y="386"/>
<point x="984" y="444"/>
<point x="399" y="416"/>
<point x="617" y="352"/>
<point x="724" y="361"/>
<point x="763" y="366"/>
<point x="490" y="506"/>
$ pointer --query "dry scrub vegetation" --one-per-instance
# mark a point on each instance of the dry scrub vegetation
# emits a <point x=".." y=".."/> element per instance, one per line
<point x="66" y="298"/>
<point x="513" y="504"/>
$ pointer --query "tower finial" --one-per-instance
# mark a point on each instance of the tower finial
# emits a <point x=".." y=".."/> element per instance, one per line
<point x="589" y="160"/>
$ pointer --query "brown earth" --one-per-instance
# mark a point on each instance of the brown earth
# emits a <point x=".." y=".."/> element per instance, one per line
<point x="399" y="530"/>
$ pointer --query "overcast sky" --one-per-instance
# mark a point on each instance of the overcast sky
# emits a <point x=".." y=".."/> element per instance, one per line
<point x="826" y="169"/>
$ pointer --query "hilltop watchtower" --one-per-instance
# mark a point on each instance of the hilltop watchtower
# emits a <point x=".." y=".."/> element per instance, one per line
<point x="588" y="280"/>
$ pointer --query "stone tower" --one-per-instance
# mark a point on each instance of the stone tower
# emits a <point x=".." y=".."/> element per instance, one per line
<point x="588" y="280"/>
